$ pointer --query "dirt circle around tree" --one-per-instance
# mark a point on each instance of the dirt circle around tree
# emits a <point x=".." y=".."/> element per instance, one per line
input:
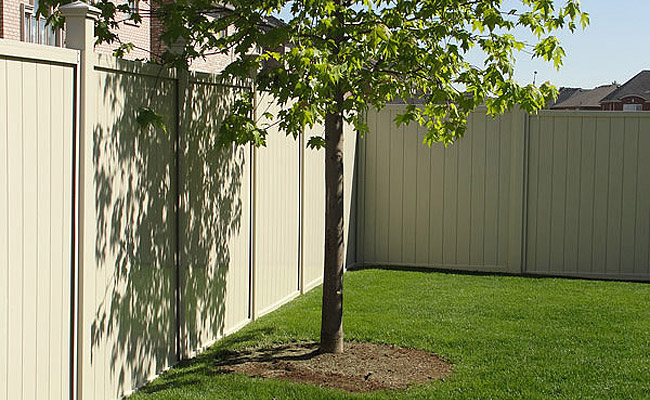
<point x="362" y="367"/>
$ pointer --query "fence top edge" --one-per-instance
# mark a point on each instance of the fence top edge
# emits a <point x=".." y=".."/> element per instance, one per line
<point x="199" y="77"/>
<point x="595" y="113"/>
<point x="111" y="63"/>
<point x="37" y="52"/>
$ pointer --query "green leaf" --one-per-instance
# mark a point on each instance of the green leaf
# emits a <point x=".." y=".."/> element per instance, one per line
<point x="316" y="142"/>
<point x="148" y="118"/>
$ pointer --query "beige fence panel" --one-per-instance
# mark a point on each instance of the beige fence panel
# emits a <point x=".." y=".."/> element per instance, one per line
<point x="350" y="192"/>
<point x="314" y="212"/>
<point x="277" y="196"/>
<point x="36" y="177"/>
<point x="458" y="207"/>
<point x="129" y="233"/>
<point x="215" y="218"/>
<point x="314" y="205"/>
<point x="589" y="197"/>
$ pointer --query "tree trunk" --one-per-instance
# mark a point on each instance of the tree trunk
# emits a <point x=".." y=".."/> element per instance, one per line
<point x="331" y="335"/>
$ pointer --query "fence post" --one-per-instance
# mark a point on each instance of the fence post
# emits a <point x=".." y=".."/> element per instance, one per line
<point x="80" y="24"/>
<point x="183" y="349"/>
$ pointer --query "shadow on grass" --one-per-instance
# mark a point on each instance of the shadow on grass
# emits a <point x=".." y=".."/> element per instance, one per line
<point x="190" y="371"/>
<point x="289" y="352"/>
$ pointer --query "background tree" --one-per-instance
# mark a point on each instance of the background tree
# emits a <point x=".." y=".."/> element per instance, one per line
<point x="336" y="58"/>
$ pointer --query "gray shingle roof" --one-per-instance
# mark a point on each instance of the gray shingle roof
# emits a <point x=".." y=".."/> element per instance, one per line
<point x="639" y="86"/>
<point x="583" y="98"/>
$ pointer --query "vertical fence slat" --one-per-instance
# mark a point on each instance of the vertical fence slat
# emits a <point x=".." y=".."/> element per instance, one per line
<point x="465" y="162"/>
<point x="531" y="195"/>
<point x="30" y="228"/>
<point x="450" y="203"/>
<point x="409" y="194"/>
<point x="558" y="185"/>
<point x="629" y="199"/>
<point x="587" y="187"/>
<point x="477" y="191"/>
<point x="396" y="184"/>
<point x="642" y="261"/>
<point x="424" y="205"/>
<point x="601" y="171"/>
<point x="510" y="190"/>
<point x="67" y="109"/>
<point x="361" y="197"/>
<point x="442" y="245"/>
<point x="370" y="188"/>
<point x="4" y="230"/>
<point x="383" y="171"/>
<point x="545" y="194"/>
<point x="572" y="215"/>
<point x="491" y="195"/>
<point x="43" y="345"/>
<point x="615" y="191"/>
<point x="15" y="221"/>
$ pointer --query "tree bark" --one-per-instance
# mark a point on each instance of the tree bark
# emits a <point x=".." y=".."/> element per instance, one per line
<point x="332" y="311"/>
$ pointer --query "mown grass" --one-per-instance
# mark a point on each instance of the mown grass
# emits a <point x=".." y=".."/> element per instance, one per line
<point x="507" y="337"/>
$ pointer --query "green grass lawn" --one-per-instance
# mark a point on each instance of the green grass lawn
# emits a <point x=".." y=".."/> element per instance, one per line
<point x="507" y="338"/>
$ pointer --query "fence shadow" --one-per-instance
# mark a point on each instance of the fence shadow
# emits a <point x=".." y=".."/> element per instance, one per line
<point x="211" y="213"/>
<point x="137" y="236"/>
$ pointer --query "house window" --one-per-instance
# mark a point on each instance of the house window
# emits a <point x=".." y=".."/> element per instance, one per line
<point x="632" y="107"/>
<point x="134" y="7"/>
<point x="34" y="28"/>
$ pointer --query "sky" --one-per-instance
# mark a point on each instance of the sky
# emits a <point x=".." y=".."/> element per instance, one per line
<point x="614" y="47"/>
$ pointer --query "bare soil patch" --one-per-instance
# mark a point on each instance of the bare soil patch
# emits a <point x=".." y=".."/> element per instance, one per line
<point x="363" y="367"/>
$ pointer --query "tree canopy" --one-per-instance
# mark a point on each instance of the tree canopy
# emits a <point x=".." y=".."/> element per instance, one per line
<point x="374" y="51"/>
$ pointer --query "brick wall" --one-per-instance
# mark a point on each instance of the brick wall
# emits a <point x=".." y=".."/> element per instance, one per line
<point x="213" y="63"/>
<point x="137" y="34"/>
<point x="11" y="19"/>
<point x="1" y="18"/>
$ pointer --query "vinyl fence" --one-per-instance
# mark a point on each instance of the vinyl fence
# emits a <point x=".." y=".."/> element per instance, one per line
<point x="559" y="193"/>
<point x="37" y="116"/>
<point x="588" y="197"/>
<point x="123" y="250"/>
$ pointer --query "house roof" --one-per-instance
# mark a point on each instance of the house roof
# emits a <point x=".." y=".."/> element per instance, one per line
<point x="583" y="98"/>
<point x="565" y="93"/>
<point x="638" y="86"/>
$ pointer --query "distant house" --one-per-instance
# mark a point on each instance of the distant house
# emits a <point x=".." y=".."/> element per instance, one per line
<point x="633" y="95"/>
<point x="582" y="99"/>
<point x="18" y="21"/>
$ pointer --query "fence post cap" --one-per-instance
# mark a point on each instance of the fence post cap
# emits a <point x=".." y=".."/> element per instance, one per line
<point x="79" y="9"/>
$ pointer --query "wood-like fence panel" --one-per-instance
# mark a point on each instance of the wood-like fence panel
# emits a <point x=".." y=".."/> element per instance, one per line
<point x="277" y="213"/>
<point x="215" y="216"/>
<point x="588" y="199"/>
<point x="313" y="249"/>
<point x="36" y="186"/>
<point x="559" y="194"/>
<point x="129" y="234"/>
<point x="443" y="207"/>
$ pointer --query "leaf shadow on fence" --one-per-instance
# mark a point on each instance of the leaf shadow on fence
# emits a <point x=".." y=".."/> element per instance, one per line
<point x="139" y="242"/>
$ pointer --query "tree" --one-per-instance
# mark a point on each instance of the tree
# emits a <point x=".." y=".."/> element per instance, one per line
<point x="344" y="56"/>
